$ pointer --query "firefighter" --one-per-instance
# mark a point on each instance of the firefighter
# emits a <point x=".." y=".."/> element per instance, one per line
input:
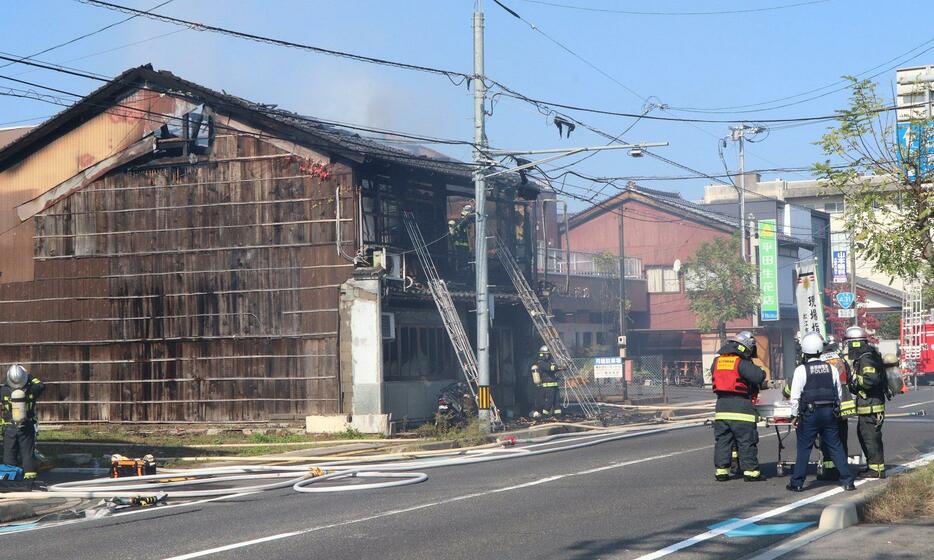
<point x="460" y="237"/>
<point x="545" y="374"/>
<point x="736" y="380"/>
<point x="19" y="396"/>
<point x="833" y="357"/>
<point x="868" y="382"/>
<point x="815" y="405"/>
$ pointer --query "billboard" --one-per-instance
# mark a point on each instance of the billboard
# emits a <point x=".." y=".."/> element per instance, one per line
<point x="841" y="265"/>
<point x="768" y="271"/>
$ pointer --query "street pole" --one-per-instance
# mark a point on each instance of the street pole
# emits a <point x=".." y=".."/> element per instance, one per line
<point x="483" y="321"/>
<point x="853" y="282"/>
<point x="742" y="194"/>
<point x="737" y="134"/>
<point x="622" y="283"/>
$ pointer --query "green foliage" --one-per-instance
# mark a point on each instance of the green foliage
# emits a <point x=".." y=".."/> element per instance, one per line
<point x="721" y="286"/>
<point x="889" y="326"/>
<point x="889" y="205"/>
<point x="606" y="263"/>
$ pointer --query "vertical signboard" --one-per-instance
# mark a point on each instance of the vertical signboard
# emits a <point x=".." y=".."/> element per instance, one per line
<point x="841" y="265"/>
<point x="768" y="271"/>
<point x="808" y="299"/>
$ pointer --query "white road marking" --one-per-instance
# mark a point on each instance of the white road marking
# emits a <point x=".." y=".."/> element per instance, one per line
<point x="280" y="536"/>
<point x="925" y="459"/>
<point x="916" y="404"/>
<point x="122" y="514"/>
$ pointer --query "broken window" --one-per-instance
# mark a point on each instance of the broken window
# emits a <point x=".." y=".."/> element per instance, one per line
<point x="192" y="133"/>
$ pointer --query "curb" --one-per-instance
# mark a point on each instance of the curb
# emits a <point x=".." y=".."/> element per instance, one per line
<point x="849" y="511"/>
<point x="15" y="511"/>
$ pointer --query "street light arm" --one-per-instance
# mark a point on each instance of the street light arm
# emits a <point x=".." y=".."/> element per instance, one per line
<point x="560" y="153"/>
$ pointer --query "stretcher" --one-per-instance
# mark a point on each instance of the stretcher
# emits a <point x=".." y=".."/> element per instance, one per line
<point x="776" y="412"/>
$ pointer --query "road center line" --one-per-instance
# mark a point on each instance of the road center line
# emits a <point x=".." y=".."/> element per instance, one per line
<point x="923" y="460"/>
<point x="280" y="536"/>
<point x="916" y="404"/>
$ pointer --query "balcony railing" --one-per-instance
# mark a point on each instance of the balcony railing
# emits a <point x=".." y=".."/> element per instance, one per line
<point x="587" y="264"/>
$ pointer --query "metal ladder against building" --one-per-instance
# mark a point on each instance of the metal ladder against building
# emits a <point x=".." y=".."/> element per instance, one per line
<point x="913" y="319"/>
<point x="549" y="334"/>
<point x="452" y="322"/>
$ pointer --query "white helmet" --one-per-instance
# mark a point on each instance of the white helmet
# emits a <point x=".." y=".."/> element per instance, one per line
<point x="855" y="333"/>
<point x="16" y="376"/>
<point x="812" y="344"/>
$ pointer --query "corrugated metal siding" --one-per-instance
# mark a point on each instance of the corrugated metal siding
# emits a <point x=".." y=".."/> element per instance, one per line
<point x="74" y="151"/>
<point x="152" y="303"/>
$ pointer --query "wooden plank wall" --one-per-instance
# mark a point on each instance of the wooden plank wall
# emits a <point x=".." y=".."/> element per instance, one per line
<point x="187" y="293"/>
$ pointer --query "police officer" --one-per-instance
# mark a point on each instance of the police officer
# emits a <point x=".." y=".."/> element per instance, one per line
<point x="545" y="374"/>
<point x="19" y="396"/>
<point x="736" y="380"/>
<point x="868" y="382"/>
<point x="833" y="357"/>
<point x="815" y="402"/>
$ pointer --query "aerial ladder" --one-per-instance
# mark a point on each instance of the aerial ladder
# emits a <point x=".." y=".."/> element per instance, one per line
<point x="913" y="319"/>
<point x="573" y="382"/>
<point x="452" y="322"/>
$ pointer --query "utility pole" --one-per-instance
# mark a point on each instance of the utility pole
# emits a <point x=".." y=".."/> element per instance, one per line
<point x="483" y="320"/>
<point x="737" y="134"/>
<point x="622" y="281"/>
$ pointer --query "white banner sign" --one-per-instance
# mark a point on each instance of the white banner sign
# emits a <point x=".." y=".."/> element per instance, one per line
<point x="608" y="368"/>
<point x="808" y="299"/>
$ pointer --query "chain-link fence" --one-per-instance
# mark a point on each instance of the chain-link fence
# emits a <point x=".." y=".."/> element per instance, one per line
<point x="646" y="379"/>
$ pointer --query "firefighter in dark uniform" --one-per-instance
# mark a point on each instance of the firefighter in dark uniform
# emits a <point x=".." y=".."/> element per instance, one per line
<point x="545" y="375"/>
<point x="460" y="237"/>
<point x="833" y="357"/>
<point x="736" y="380"/>
<point x="19" y="395"/>
<point x="815" y="405"/>
<point x="868" y="382"/>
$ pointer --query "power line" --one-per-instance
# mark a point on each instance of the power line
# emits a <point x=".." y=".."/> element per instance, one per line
<point x="456" y="77"/>
<point x="89" y="34"/>
<point x="678" y="14"/>
<point x="733" y="109"/>
<point x="568" y="50"/>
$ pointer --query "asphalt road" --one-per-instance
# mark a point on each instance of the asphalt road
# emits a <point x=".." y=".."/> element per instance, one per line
<point x="622" y="499"/>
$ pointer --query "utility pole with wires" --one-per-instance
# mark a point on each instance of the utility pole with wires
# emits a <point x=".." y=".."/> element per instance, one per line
<point x="483" y="320"/>
<point x="484" y="160"/>
<point x="738" y="134"/>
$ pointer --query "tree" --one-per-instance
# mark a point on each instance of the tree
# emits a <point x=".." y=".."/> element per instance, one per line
<point x="890" y="325"/>
<point x="719" y="284"/>
<point x="885" y="182"/>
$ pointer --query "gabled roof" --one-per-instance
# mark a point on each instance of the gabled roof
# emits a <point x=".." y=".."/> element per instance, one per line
<point x="307" y="131"/>
<point x="671" y="202"/>
<point x="881" y="289"/>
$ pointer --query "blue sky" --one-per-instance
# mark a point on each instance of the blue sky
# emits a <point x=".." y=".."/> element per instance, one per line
<point x="707" y="61"/>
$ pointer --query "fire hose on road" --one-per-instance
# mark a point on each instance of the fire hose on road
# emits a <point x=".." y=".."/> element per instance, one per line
<point x="319" y="477"/>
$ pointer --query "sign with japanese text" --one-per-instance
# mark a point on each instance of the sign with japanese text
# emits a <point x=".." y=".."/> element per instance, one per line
<point x="768" y="271"/>
<point x="608" y="368"/>
<point x="808" y="299"/>
<point x="841" y="265"/>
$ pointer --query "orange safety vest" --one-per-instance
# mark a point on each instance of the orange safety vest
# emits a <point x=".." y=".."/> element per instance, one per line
<point x="726" y="378"/>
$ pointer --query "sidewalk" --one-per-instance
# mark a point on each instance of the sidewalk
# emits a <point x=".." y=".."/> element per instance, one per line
<point x="913" y="539"/>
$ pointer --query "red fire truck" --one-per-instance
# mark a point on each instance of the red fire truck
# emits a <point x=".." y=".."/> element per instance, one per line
<point x="924" y="366"/>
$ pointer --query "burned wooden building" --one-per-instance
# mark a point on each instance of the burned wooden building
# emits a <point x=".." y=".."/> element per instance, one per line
<point x="171" y="254"/>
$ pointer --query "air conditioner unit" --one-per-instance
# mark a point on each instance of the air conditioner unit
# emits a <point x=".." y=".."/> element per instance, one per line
<point x="388" y="326"/>
<point x="391" y="263"/>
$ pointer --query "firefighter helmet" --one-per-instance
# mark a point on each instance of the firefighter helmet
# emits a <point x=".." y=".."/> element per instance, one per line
<point x="831" y="344"/>
<point x="16" y="376"/>
<point x="856" y="333"/>
<point x="544" y="352"/>
<point x="812" y="344"/>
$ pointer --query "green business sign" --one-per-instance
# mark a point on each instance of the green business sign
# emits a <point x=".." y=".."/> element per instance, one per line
<point x="768" y="271"/>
